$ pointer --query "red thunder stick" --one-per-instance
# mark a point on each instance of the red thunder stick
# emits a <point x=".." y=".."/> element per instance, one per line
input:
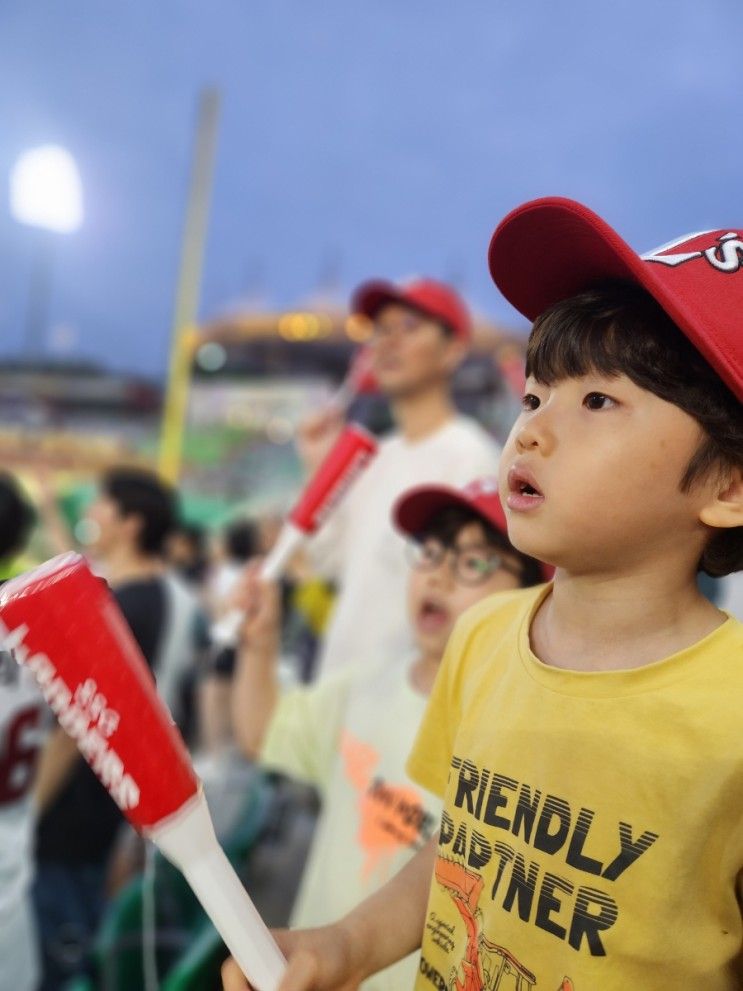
<point x="350" y="454"/>
<point x="62" y="623"/>
<point x="348" y="457"/>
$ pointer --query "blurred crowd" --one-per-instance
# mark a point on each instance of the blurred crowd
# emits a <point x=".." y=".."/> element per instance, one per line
<point x="323" y="686"/>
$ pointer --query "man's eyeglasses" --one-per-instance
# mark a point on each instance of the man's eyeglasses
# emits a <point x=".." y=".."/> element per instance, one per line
<point x="470" y="566"/>
<point x="402" y="324"/>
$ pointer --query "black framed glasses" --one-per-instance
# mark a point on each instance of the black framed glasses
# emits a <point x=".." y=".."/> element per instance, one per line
<point x="470" y="566"/>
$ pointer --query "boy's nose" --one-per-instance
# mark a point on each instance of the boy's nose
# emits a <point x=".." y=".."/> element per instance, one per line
<point x="525" y="440"/>
<point x="443" y="574"/>
<point x="535" y="434"/>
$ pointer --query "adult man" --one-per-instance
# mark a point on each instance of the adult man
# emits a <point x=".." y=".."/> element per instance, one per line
<point x="422" y="331"/>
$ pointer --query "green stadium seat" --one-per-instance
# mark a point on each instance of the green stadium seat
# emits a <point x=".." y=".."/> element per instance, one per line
<point x="186" y="944"/>
<point x="199" y="967"/>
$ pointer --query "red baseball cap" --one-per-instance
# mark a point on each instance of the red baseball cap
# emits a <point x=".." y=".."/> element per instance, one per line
<point x="550" y="249"/>
<point x="415" y="508"/>
<point x="433" y="299"/>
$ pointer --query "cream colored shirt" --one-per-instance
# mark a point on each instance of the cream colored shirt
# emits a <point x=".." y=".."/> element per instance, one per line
<point x="350" y="736"/>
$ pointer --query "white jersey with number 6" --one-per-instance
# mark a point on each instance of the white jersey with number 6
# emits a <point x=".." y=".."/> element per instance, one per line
<point x="21" y="734"/>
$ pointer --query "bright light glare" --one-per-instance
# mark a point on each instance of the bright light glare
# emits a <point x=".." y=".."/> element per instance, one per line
<point x="45" y="190"/>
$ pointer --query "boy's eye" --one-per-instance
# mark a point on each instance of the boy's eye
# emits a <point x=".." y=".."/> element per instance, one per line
<point x="598" y="400"/>
<point x="431" y="553"/>
<point x="477" y="564"/>
<point x="530" y="401"/>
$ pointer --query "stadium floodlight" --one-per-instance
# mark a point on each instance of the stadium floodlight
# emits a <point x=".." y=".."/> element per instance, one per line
<point x="45" y="190"/>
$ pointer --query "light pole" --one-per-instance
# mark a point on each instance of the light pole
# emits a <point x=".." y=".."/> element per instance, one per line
<point x="46" y="194"/>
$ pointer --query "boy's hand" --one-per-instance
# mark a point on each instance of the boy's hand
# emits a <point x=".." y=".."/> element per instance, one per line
<point x="316" y="435"/>
<point x="381" y="930"/>
<point x="260" y="602"/>
<point x="317" y="960"/>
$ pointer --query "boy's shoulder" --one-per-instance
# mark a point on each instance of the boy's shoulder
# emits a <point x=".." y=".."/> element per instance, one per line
<point x="723" y="645"/>
<point x="734" y="625"/>
<point x="726" y="645"/>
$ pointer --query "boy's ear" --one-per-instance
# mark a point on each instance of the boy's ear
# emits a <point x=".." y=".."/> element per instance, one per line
<point x="725" y="510"/>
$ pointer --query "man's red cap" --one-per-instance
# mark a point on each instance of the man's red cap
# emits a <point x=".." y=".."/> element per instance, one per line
<point x="433" y="299"/>
<point x="415" y="508"/>
<point x="550" y="249"/>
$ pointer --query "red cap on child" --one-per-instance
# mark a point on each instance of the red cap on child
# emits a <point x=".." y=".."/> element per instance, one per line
<point x="415" y="508"/>
<point x="550" y="249"/>
<point x="433" y="299"/>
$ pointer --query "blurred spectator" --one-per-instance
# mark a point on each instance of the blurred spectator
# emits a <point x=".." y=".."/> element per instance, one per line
<point x="306" y="604"/>
<point x="130" y="521"/>
<point x="232" y="549"/>
<point x="268" y="526"/>
<point x="187" y="552"/>
<point x="237" y="543"/>
<point x="16" y="521"/>
<point x="21" y="713"/>
<point x="422" y="331"/>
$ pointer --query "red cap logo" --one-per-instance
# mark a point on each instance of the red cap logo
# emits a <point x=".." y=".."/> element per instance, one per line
<point x="725" y="253"/>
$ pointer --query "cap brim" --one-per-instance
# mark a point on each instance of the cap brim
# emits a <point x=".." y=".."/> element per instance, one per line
<point x="415" y="509"/>
<point x="371" y="296"/>
<point x="553" y="248"/>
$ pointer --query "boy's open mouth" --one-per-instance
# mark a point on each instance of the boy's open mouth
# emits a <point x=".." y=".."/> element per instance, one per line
<point x="432" y="616"/>
<point x="523" y="491"/>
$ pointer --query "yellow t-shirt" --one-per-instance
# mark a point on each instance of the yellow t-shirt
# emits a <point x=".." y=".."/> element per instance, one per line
<point x="592" y="833"/>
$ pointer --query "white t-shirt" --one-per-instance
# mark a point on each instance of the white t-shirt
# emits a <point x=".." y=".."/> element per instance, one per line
<point x="21" y="734"/>
<point x="177" y="652"/>
<point x="360" y="549"/>
<point x="350" y="736"/>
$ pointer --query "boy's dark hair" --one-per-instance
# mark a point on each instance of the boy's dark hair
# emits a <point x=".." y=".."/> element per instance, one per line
<point x="141" y="493"/>
<point x="447" y="524"/>
<point x="617" y="328"/>
<point x="241" y="540"/>
<point x="16" y="517"/>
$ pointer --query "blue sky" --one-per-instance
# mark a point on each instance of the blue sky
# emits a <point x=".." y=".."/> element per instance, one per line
<point x="384" y="137"/>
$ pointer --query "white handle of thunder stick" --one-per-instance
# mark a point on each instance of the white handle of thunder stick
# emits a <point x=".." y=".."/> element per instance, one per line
<point x="225" y="631"/>
<point x="188" y="840"/>
<point x="290" y="539"/>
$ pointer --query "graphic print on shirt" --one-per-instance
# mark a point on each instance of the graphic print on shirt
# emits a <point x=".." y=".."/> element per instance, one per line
<point x="391" y="816"/>
<point x="509" y="850"/>
<point x="20" y="735"/>
<point x="485" y="966"/>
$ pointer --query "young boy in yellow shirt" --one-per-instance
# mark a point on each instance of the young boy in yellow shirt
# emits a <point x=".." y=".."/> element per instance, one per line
<point x="585" y="736"/>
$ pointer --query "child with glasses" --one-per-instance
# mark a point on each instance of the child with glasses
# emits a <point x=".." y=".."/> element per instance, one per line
<point x="351" y="734"/>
